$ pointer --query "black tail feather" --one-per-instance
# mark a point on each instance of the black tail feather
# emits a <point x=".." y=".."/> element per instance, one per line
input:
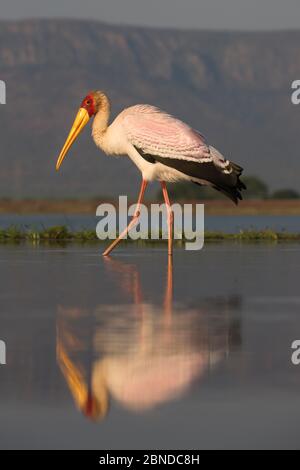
<point x="232" y="193"/>
<point x="226" y="180"/>
<point x="233" y="186"/>
<point x="233" y="190"/>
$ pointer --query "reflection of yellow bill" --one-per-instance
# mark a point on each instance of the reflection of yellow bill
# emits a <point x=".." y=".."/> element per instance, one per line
<point x="83" y="397"/>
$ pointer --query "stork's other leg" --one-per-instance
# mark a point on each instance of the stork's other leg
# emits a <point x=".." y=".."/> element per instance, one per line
<point x="170" y="218"/>
<point x="132" y="223"/>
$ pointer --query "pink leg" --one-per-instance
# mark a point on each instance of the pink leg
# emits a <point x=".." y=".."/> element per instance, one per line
<point x="170" y="218"/>
<point x="131" y="223"/>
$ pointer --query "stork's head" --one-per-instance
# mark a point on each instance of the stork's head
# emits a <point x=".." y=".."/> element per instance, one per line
<point x="91" y="105"/>
<point x="92" y="102"/>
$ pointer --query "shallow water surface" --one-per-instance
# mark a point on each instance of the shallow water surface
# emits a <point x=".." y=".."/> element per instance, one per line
<point x="136" y="352"/>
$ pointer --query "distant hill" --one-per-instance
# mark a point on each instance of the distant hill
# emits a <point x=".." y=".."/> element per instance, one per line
<point x="234" y="87"/>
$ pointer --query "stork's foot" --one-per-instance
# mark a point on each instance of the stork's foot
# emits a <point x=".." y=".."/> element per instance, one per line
<point x="132" y="223"/>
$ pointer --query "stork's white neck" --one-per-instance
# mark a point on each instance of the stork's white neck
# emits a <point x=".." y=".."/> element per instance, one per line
<point x="109" y="138"/>
<point x="102" y="117"/>
<point x="101" y="121"/>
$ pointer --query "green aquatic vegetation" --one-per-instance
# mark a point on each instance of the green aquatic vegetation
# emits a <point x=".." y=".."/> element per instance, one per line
<point x="61" y="234"/>
<point x="12" y="233"/>
<point x="254" y="235"/>
<point x="85" y="235"/>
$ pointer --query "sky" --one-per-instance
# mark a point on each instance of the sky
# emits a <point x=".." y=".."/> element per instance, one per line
<point x="199" y="14"/>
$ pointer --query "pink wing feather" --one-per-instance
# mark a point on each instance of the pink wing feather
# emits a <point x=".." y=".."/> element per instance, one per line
<point x="158" y="133"/>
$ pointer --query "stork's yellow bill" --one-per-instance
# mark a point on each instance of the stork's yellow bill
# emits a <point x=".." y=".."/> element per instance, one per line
<point x="80" y="122"/>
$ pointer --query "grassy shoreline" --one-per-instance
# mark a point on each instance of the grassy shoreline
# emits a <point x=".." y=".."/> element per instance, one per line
<point x="61" y="234"/>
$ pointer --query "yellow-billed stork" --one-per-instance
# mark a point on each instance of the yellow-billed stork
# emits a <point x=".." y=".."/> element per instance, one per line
<point x="161" y="146"/>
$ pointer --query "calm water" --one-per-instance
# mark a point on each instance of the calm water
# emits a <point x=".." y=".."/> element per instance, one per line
<point x="229" y="224"/>
<point x="134" y="353"/>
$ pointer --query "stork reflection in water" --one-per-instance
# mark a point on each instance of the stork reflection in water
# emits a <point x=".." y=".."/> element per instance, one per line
<point x="140" y="354"/>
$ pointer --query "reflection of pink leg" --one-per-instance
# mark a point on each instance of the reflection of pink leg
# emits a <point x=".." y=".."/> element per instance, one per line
<point x="131" y="223"/>
<point x="168" y="303"/>
<point x="170" y="218"/>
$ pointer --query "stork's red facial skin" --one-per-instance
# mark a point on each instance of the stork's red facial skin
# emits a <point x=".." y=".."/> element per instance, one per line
<point x="89" y="104"/>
